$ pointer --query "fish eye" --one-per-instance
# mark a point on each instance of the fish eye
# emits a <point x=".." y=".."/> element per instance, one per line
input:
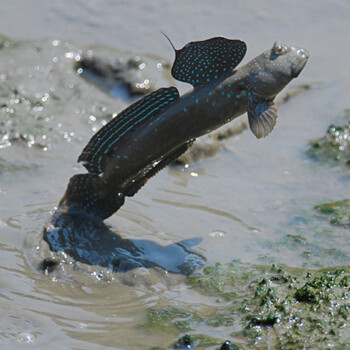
<point x="278" y="48"/>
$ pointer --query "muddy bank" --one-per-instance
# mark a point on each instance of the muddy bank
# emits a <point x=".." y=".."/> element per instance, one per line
<point x="260" y="307"/>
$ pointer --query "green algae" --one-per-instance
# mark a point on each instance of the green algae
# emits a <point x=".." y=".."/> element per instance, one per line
<point x="338" y="212"/>
<point x="282" y="301"/>
<point x="196" y="341"/>
<point x="170" y="319"/>
<point x="215" y="283"/>
<point x="335" y="145"/>
<point x="259" y="307"/>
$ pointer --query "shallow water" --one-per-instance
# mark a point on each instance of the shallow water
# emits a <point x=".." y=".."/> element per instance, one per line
<point x="247" y="202"/>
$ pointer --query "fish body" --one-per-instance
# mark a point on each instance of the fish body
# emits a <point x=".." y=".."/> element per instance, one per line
<point x="154" y="131"/>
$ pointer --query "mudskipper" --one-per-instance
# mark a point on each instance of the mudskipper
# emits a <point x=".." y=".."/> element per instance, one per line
<point x="154" y="131"/>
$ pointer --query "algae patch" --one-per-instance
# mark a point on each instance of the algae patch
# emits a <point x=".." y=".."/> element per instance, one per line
<point x="338" y="212"/>
<point x="170" y="318"/>
<point x="335" y="145"/>
<point x="256" y="307"/>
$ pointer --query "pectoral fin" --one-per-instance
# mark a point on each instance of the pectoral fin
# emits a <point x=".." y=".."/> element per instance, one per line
<point x="262" y="115"/>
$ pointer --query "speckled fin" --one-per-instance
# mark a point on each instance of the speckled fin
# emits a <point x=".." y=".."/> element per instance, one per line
<point x="262" y="115"/>
<point x="86" y="194"/>
<point x="107" y="139"/>
<point x="200" y="62"/>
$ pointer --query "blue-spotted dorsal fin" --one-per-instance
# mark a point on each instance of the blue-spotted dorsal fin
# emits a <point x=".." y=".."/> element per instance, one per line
<point x="200" y="62"/>
<point x="109" y="136"/>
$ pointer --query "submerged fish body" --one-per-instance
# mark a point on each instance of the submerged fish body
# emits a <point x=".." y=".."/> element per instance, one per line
<point x="155" y="130"/>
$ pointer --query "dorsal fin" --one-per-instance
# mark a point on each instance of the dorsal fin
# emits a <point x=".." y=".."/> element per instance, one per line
<point x="200" y="62"/>
<point x="107" y="138"/>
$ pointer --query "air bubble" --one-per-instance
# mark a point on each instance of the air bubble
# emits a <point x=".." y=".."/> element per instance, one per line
<point x="25" y="338"/>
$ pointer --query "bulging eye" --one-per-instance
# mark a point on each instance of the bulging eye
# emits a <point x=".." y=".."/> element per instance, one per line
<point x="278" y="48"/>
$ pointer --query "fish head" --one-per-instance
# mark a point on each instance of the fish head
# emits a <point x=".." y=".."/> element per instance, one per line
<point x="276" y="67"/>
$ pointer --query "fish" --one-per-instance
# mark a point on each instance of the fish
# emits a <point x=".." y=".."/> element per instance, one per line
<point x="152" y="132"/>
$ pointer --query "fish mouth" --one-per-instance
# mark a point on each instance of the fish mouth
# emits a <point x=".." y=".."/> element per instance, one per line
<point x="303" y="58"/>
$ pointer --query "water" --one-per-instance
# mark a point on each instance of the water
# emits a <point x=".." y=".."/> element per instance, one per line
<point x="243" y="203"/>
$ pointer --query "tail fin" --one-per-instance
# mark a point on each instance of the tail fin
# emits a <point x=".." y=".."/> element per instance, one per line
<point x="88" y="195"/>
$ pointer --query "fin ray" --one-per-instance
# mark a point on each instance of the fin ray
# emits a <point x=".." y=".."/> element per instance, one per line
<point x="262" y="115"/>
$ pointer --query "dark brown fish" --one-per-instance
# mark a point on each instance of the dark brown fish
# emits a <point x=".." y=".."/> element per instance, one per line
<point x="155" y="130"/>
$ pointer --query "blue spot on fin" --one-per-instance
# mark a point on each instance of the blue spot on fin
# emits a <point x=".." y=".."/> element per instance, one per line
<point x="200" y="62"/>
<point x="137" y="115"/>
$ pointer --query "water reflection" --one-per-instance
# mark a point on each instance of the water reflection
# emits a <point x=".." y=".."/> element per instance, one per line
<point x="95" y="243"/>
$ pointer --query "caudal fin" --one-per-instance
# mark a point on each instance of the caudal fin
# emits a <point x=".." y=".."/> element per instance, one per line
<point x="88" y="195"/>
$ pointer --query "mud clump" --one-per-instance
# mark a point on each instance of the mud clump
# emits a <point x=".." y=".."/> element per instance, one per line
<point x="124" y="76"/>
<point x="335" y="145"/>
<point x="196" y="341"/>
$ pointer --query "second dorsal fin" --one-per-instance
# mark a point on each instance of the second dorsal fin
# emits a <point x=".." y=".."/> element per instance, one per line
<point x="110" y="135"/>
<point x="200" y="62"/>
